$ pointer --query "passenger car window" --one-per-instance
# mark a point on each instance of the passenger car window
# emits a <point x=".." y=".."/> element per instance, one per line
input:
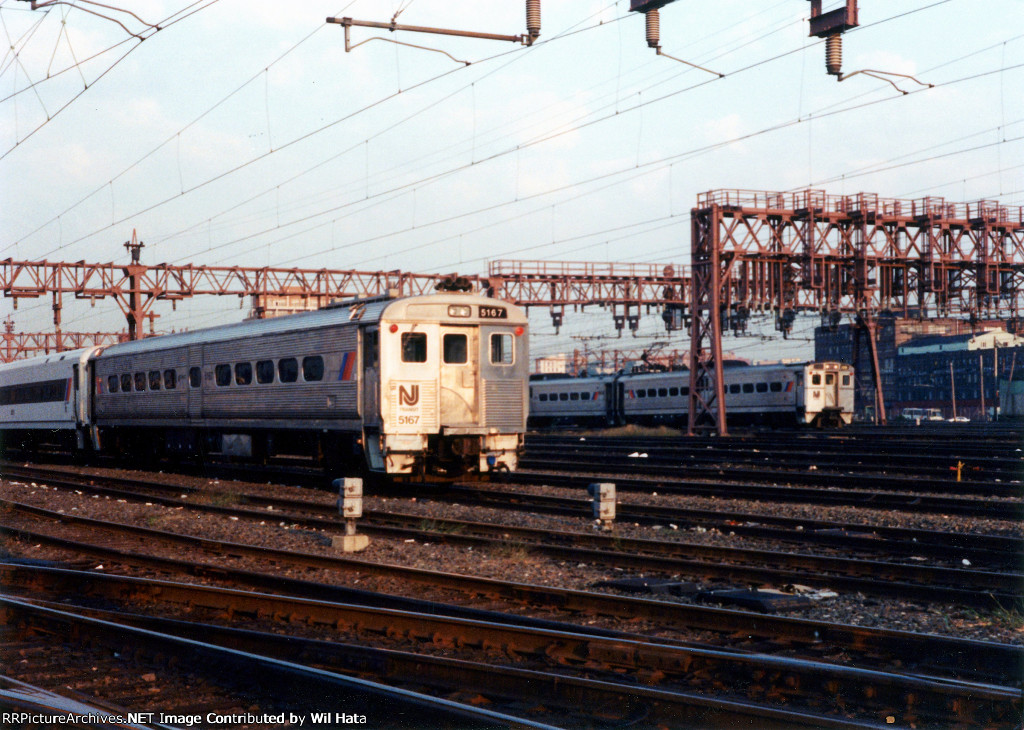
<point x="734" y="388"/>
<point x="662" y="392"/>
<point x="195" y="377"/>
<point x="140" y="381"/>
<point x="775" y="387"/>
<point x="748" y="387"/>
<point x="563" y="396"/>
<point x="154" y="380"/>
<point x="455" y="349"/>
<point x="312" y="368"/>
<point x="673" y="391"/>
<point x="243" y="373"/>
<point x="574" y="396"/>
<point x="126" y="383"/>
<point x="502" y="351"/>
<point x="288" y="370"/>
<point x="112" y="384"/>
<point x="585" y="396"/>
<point x="414" y="347"/>
<point x="762" y="387"/>
<point x="170" y="379"/>
<point x="542" y="396"/>
<point x="222" y="374"/>
<point x="265" y="371"/>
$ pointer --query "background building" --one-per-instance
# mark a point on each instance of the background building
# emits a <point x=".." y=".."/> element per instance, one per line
<point x="928" y="364"/>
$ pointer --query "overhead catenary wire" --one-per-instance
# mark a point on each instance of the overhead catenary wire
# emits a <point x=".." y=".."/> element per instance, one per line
<point x="286" y="221"/>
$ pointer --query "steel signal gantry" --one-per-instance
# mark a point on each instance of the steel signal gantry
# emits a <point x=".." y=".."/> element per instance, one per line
<point x="856" y="254"/>
<point x="625" y="288"/>
<point x="137" y="287"/>
<point x="16" y="345"/>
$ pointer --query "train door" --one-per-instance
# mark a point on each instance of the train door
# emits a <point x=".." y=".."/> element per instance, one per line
<point x="195" y="382"/>
<point x="614" y="392"/>
<point x="831" y="391"/>
<point x="460" y="374"/>
<point x="370" y="396"/>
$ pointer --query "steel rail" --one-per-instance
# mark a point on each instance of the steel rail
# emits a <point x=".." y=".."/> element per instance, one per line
<point x="854" y="457"/>
<point x="726" y="474"/>
<point x="567" y="475"/>
<point x="979" y="549"/>
<point x="668" y="670"/>
<point x="954" y="656"/>
<point x="292" y="684"/>
<point x="742" y="565"/>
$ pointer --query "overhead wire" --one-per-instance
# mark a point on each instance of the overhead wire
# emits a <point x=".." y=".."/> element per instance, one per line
<point x="50" y="117"/>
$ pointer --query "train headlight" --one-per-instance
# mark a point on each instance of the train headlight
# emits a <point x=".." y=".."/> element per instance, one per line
<point x="460" y="310"/>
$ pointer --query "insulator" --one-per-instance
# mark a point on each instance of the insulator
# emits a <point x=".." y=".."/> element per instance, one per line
<point x="834" y="54"/>
<point x="533" y="18"/>
<point x="653" y="28"/>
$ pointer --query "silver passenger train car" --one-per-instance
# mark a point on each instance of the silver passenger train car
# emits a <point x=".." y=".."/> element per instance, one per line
<point x="818" y="393"/>
<point x="423" y="386"/>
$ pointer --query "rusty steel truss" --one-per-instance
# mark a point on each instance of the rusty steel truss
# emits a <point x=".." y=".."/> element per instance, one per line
<point x="138" y="287"/>
<point x="625" y="289"/>
<point x="861" y="255"/>
<point x="18" y="345"/>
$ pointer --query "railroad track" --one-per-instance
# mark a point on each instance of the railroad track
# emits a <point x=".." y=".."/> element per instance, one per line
<point x="994" y="551"/>
<point x="568" y="476"/>
<point x="164" y="677"/>
<point x="737" y="565"/>
<point x="949" y="657"/>
<point x="565" y="672"/>
<point x="929" y="460"/>
<point x="727" y="475"/>
<point x="812" y="693"/>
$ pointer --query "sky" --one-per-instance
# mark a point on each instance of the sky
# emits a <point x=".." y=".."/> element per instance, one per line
<point x="244" y="134"/>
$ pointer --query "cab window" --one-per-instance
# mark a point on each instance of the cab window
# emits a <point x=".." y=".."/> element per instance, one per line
<point x="502" y="352"/>
<point x="816" y="379"/>
<point x="455" y="349"/>
<point x="414" y="347"/>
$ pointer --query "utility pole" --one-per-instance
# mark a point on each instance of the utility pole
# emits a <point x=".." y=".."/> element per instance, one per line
<point x="981" y="386"/>
<point x="995" y="374"/>
<point x="952" y="387"/>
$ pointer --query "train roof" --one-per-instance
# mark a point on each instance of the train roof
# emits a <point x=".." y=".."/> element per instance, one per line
<point x="31" y="362"/>
<point x="363" y="311"/>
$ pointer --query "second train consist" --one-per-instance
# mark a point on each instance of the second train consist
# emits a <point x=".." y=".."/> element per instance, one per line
<point x="423" y="386"/>
<point x="816" y="393"/>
